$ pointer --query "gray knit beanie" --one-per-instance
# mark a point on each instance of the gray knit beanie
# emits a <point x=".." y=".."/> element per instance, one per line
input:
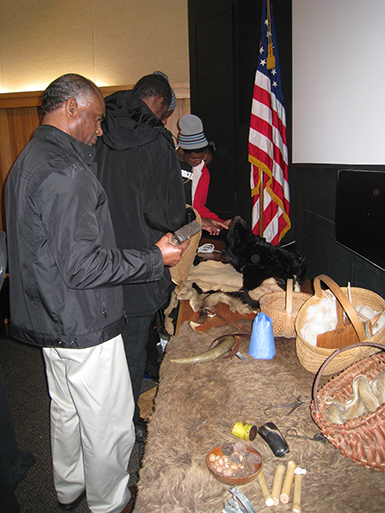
<point x="191" y="135"/>
<point x="173" y="97"/>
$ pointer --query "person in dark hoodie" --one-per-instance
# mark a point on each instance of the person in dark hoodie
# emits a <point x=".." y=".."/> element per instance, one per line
<point x="139" y="170"/>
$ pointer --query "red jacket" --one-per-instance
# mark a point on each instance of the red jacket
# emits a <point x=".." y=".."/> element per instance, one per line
<point x="200" y="193"/>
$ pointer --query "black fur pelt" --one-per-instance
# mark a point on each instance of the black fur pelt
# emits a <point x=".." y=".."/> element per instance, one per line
<point x="259" y="260"/>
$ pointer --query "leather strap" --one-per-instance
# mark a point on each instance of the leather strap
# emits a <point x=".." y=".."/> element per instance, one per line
<point x="235" y="347"/>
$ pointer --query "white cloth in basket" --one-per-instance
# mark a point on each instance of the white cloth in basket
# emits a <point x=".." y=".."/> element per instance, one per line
<point x="322" y="317"/>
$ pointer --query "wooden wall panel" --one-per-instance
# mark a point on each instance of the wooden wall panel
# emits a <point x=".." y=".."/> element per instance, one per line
<point x="16" y="128"/>
<point x="22" y="124"/>
<point x="20" y="116"/>
<point x="182" y="107"/>
<point x="5" y="142"/>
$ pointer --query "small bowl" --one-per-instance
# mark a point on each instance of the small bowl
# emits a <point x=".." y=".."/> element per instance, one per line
<point x="234" y="480"/>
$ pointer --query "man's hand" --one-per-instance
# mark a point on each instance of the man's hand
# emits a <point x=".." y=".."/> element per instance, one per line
<point x="171" y="254"/>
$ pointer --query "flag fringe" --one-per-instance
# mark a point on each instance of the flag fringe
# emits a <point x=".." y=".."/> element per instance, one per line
<point x="256" y="190"/>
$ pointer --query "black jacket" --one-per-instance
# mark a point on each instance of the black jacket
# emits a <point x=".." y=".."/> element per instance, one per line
<point x="139" y="170"/>
<point x="64" y="267"/>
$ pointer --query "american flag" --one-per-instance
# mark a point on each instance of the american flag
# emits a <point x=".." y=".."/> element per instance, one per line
<point x="267" y="140"/>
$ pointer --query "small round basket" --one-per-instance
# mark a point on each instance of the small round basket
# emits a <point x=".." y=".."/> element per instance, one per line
<point x="312" y="357"/>
<point x="243" y="474"/>
<point x="282" y="308"/>
<point x="362" y="438"/>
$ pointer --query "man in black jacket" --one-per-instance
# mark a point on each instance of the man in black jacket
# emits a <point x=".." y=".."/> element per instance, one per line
<point x="66" y="295"/>
<point x="139" y="169"/>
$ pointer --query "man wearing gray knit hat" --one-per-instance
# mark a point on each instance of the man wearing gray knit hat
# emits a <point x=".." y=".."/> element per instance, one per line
<point x="191" y="135"/>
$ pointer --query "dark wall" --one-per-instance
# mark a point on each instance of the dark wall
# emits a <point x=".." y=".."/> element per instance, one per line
<point x="316" y="187"/>
<point x="224" y="40"/>
<point x="212" y="93"/>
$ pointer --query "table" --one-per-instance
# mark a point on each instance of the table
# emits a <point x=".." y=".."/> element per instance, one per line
<point x="195" y="409"/>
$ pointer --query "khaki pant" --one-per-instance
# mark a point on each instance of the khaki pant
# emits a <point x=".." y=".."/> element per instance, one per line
<point x="92" y="433"/>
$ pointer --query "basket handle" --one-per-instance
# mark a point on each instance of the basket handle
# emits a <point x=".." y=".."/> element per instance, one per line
<point x="289" y="296"/>
<point x="344" y="302"/>
<point x="329" y="358"/>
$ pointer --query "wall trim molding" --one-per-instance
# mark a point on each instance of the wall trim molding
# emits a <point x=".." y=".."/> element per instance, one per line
<point x="33" y="98"/>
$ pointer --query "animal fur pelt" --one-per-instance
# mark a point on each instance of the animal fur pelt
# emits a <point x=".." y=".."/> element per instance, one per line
<point x="195" y="410"/>
<point x="238" y="301"/>
<point x="257" y="259"/>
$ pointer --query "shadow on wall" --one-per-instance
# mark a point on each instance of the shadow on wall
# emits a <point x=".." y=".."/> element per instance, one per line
<point x="325" y="256"/>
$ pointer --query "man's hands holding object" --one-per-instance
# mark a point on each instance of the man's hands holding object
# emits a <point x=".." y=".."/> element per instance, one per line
<point x="173" y="246"/>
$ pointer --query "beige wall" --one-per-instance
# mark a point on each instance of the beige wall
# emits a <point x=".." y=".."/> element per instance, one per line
<point x="113" y="42"/>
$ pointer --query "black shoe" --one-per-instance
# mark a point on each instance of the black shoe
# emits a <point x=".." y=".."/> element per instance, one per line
<point x="140" y="431"/>
<point x="72" y="505"/>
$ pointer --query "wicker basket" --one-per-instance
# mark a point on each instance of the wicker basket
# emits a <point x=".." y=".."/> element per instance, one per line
<point x="362" y="439"/>
<point x="312" y="357"/>
<point x="282" y="308"/>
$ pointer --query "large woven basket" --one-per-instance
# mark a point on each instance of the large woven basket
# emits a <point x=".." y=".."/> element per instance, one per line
<point x="363" y="438"/>
<point x="312" y="357"/>
<point x="282" y="308"/>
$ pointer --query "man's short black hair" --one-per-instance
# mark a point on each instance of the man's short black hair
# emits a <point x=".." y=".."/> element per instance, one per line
<point x="64" y="88"/>
<point x="154" y="85"/>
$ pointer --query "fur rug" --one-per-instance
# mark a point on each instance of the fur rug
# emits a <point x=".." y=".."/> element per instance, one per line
<point x="195" y="410"/>
<point x="257" y="259"/>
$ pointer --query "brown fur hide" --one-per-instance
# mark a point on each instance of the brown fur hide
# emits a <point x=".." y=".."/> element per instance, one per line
<point x="200" y="301"/>
<point x="195" y="410"/>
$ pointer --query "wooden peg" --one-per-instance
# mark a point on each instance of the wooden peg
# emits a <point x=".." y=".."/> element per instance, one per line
<point x="286" y="488"/>
<point x="277" y="483"/>
<point x="298" y="475"/>
<point x="265" y="489"/>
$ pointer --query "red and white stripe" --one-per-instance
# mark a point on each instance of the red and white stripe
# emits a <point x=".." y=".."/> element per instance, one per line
<point x="268" y="153"/>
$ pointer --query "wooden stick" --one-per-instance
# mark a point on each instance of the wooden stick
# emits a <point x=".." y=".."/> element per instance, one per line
<point x="349" y="292"/>
<point x="261" y="193"/>
<point x="299" y="473"/>
<point x="277" y="483"/>
<point x="289" y="296"/>
<point x="285" y="494"/>
<point x="265" y="489"/>
<point x="297" y="493"/>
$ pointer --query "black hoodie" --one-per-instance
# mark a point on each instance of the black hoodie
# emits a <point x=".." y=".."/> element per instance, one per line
<point x="139" y="170"/>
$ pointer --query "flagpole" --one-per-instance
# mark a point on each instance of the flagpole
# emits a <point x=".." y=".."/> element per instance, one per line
<point x="261" y="204"/>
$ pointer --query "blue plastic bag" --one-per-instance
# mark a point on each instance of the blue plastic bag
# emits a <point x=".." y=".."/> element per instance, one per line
<point x="262" y="344"/>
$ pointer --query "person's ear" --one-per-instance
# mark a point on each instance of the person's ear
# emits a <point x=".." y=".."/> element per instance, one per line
<point x="71" y="107"/>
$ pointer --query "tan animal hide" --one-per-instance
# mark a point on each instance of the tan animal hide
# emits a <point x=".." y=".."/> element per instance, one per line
<point x="195" y="410"/>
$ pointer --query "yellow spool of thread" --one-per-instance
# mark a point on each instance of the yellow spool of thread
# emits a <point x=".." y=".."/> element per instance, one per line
<point x="244" y="431"/>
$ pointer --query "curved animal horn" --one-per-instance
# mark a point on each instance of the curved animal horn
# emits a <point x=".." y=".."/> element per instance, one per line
<point x="219" y="350"/>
